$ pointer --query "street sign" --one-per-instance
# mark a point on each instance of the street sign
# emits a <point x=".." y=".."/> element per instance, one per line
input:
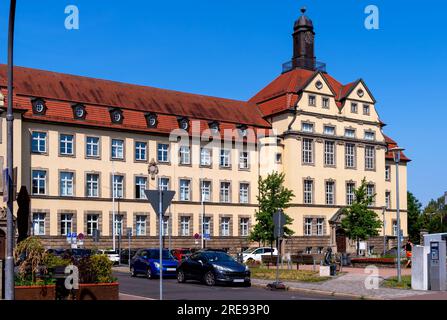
<point x="129" y="232"/>
<point x="279" y="220"/>
<point x="69" y="237"/>
<point x="81" y="237"/>
<point x="197" y="236"/>
<point x="207" y="237"/>
<point x="153" y="196"/>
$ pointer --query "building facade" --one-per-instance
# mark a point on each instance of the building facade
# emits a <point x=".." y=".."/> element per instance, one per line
<point x="82" y="148"/>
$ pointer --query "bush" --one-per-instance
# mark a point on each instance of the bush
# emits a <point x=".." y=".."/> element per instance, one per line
<point x="30" y="256"/>
<point x="95" y="269"/>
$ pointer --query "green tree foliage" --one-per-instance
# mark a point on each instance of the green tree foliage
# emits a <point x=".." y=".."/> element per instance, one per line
<point x="414" y="218"/>
<point x="272" y="197"/>
<point x="434" y="217"/>
<point x="359" y="221"/>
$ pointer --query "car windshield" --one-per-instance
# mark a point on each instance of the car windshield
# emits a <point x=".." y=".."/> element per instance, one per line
<point x="155" y="254"/>
<point x="218" y="257"/>
<point x="249" y="250"/>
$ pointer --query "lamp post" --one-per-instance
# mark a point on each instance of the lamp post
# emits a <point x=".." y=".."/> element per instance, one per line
<point x="396" y="154"/>
<point x="9" y="265"/>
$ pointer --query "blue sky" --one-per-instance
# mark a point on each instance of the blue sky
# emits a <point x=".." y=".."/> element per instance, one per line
<point x="233" y="48"/>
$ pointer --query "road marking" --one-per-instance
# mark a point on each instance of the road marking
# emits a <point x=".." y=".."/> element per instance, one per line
<point x="133" y="297"/>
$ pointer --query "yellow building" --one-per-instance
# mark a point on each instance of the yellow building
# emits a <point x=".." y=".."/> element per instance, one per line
<point x="83" y="146"/>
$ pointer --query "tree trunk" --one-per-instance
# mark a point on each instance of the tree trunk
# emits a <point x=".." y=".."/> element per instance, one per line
<point x="358" y="247"/>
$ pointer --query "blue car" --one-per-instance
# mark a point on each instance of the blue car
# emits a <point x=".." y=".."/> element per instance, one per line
<point x="147" y="262"/>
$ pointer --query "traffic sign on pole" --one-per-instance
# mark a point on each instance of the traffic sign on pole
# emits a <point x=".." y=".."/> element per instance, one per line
<point x="279" y="220"/>
<point x="153" y="196"/>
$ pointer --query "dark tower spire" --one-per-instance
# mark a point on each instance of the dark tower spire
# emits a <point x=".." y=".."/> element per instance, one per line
<point x="303" y="43"/>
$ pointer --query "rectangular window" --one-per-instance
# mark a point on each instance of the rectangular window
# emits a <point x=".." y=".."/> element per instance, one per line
<point x="205" y="157"/>
<point x="370" y="191"/>
<point x="325" y="103"/>
<point x="66" y="184"/>
<point x="163" y="152"/>
<point x="118" y="225"/>
<point x="243" y="192"/>
<point x="184" y="226"/>
<point x="39" y="224"/>
<point x="320" y="227"/>
<point x="140" y="151"/>
<point x="185" y="155"/>
<point x="354" y="108"/>
<point x="207" y="225"/>
<point x="278" y="157"/>
<point x="117" y="149"/>
<point x="370" y="157"/>
<point x="330" y="192"/>
<point x="329" y="130"/>
<point x="350" y="188"/>
<point x="329" y="153"/>
<point x="243" y="160"/>
<point x="206" y="191"/>
<point x="244" y="227"/>
<point x="369" y="135"/>
<point x="307" y="127"/>
<point x="185" y="190"/>
<point x="225" y="189"/>
<point x="166" y="231"/>
<point x="92" y="147"/>
<point x="39" y="182"/>
<point x="349" y="133"/>
<point x="92" y="223"/>
<point x="308" y="191"/>
<point x="92" y="185"/>
<point x="350" y="158"/>
<point x="387" y="173"/>
<point x="312" y="100"/>
<point x="308" y="155"/>
<point x="394" y="228"/>
<point x="308" y="250"/>
<point x="118" y="186"/>
<point x="225" y="226"/>
<point x="163" y="184"/>
<point x="225" y="160"/>
<point x="66" y="224"/>
<point x="140" y="187"/>
<point x="140" y="224"/>
<point x="366" y="109"/>
<point x="66" y="145"/>
<point x="308" y="226"/>
<point x="39" y="142"/>
<point x="388" y="200"/>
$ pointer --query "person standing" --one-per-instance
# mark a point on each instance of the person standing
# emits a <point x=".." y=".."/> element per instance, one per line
<point x="409" y="252"/>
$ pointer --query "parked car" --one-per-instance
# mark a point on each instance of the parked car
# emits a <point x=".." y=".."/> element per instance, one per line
<point x="77" y="254"/>
<point x="213" y="267"/>
<point x="112" y="255"/>
<point x="56" y="252"/>
<point x="255" y="254"/>
<point x="124" y="255"/>
<point x="146" y="261"/>
<point x="181" y="254"/>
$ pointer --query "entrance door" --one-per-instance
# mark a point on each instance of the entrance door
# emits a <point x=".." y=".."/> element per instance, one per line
<point x="340" y="238"/>
<point x="2" y="245"/>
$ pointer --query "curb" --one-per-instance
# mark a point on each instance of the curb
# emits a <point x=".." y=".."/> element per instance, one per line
<point x="322" y="292"/>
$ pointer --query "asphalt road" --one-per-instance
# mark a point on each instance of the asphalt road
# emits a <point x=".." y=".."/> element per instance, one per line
<point x="172" y="290"/>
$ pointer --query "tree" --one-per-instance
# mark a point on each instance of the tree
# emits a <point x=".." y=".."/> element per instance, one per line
<point x="272" y="197"/>
<point x="359" y="221"/>
<point x="434" y="217"/>
<point x="414" y="218"/>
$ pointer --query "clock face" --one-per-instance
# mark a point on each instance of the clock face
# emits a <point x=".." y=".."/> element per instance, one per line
<point x="39" y="106"/>
<point x="117" y="117"/>
<point x="152" y="121"/>
<point x="79" y="112"/>
<point x="184" y="125"/>
<point x="308" y="37"/>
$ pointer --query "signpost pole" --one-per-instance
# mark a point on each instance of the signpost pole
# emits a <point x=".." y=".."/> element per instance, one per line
<point x="277" y="247"/>
<point x="160" y="227"/>
<point x="129" y="238"/>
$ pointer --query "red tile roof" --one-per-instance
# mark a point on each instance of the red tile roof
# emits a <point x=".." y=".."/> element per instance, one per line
<point x="393" y="144"/>
<point x="96" y="92"/>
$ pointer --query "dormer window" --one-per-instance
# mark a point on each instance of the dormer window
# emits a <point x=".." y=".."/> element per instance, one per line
<point x="214" y="127"/>
<point x="312" y="100"/>
<point x="366" y="109"/>
<point x="183" y="123"/>
<point x="151" y="120"/>
<point x="116" y="115"/>
<point x="39" y="106"/>
<point x="79" y="111"/>
<point x="307" y="127"/>
<point x="370" y="135"/>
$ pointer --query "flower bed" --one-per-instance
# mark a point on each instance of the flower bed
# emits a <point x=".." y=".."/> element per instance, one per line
<point x="44" y="292"/>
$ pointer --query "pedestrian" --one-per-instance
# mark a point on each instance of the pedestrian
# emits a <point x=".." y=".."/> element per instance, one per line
<point x="408" y="250"/>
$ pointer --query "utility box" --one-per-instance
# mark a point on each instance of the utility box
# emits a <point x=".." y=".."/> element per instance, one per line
<point x="419" y="268"/>
<point x="437" y="260"/>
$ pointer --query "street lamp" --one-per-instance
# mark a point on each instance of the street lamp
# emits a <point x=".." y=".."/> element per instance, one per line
<point x="9" y="265"/>
<point x="396" y="155"/>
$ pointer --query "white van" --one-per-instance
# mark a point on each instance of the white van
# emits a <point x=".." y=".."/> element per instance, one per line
<point x="255" y="254"/>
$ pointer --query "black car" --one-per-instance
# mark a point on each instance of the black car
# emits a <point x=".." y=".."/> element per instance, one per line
<point x="213" y="267"/>
<point x="124" y="255"/>
<point x="77" y="254"/>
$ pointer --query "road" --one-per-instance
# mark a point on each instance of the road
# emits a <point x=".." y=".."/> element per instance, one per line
<point x="172" y="290"/>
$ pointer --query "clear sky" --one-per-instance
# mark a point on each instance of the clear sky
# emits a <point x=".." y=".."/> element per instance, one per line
<point x="232" y="48"/>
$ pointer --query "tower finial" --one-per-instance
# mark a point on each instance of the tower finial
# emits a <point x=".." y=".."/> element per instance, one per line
<point x="303" y="10"/>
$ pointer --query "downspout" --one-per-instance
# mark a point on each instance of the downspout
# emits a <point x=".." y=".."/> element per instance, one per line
<point x="294" y="112"/>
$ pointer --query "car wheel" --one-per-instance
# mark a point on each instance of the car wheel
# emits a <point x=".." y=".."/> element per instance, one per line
<point x="250" y="260"/>
<point x="132" y="272"/>
<point x="181" y="277"/>
<point x="149" y="273"/>
<point x="210" y="280"/>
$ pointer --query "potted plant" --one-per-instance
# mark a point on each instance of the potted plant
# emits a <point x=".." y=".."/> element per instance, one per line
<point x="32" y="281"/>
